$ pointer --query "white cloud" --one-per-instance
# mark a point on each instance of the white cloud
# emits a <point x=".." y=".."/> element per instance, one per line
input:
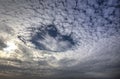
<point x="95" y="27"/>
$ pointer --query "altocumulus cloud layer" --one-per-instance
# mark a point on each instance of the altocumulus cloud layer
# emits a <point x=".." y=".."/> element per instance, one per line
<point x="59" y="39"/>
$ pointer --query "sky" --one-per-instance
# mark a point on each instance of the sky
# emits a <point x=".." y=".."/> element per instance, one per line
<point x="59" y="39"/>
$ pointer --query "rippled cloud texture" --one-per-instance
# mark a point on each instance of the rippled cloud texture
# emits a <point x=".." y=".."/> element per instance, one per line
<point x="59" y="39"/>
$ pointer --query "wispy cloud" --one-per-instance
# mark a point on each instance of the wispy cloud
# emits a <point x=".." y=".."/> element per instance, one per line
<point x="62" y="39"/>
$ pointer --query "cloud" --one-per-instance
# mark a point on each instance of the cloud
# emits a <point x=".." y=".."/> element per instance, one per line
<point x="90" y="27"/>
<point x="2" y="44"/>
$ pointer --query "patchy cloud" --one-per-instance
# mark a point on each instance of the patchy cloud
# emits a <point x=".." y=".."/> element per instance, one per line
<point x="59" y="39"/>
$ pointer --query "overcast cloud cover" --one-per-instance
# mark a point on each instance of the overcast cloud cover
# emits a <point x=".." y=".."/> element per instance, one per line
<point x="59" y="39"/>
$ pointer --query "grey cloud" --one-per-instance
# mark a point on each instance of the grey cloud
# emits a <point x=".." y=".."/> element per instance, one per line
<point x="2" y="44"/>
<point x="5" y="28"/>
<point x="87" y="20"/>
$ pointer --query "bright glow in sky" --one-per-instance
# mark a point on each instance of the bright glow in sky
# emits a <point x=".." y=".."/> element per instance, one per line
<point x="10" y="47"/>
